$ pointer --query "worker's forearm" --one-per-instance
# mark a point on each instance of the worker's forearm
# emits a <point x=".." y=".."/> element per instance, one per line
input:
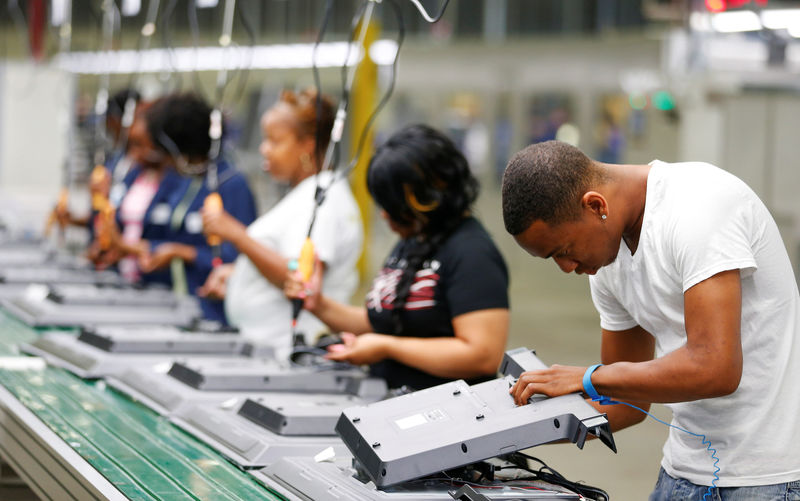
<point x="462" y="360"/>
<point x="269" y="263"/>
<point x="677" y="377"/>
<point x="340" y="317"/>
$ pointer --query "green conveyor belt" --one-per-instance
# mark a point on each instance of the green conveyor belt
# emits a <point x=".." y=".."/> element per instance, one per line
<point x="141" y="453"/>
<point x="12" y="333"/>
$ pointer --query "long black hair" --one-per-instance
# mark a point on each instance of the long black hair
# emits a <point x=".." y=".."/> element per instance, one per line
<point x="421" y="179"/>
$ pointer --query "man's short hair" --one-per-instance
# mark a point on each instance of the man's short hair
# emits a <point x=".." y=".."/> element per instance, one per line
<point x="545" y="181"/>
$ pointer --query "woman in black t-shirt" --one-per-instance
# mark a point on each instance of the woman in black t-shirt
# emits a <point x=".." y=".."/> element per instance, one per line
<point x="438" y="309"/>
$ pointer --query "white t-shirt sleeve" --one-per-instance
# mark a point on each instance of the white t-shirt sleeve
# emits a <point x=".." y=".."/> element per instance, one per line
<point x="613" y="316"/>
<point x="324" y="235"/>
<point x="714" y="235"/>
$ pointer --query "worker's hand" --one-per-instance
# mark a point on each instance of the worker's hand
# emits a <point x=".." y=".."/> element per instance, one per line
<point x="103" y="259"/>
<point x="553" y="382"/>
<point x="161" y="256"/>
<point x="360" y="350"/>
<point x="61" y="216"/>
<point x="217" y="282"/>
<point x="295" y="288"/>
<point x="223" y="225"/>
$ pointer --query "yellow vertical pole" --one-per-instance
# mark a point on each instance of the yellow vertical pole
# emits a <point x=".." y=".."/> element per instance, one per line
<point x="363" y="99"/>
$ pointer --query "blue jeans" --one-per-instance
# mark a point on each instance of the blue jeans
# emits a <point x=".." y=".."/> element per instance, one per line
<point x="677" y="489"/>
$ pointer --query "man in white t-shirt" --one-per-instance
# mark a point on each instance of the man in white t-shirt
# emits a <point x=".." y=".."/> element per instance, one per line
<point x="699" y="309"/>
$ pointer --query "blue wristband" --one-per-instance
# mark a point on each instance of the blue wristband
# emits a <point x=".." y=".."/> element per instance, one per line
<point x="588" y="387"/>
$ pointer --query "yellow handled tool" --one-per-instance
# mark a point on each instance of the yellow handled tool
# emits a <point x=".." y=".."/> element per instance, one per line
<point x="213" y="204"/>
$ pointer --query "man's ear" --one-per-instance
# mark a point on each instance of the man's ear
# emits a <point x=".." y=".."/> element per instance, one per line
<point x="596" y="203"/>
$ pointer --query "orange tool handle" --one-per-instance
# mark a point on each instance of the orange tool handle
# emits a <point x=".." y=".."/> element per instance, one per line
<point x="305" y="263"/>
<point x="96" y="177"/>
<point x="213" y="203"/>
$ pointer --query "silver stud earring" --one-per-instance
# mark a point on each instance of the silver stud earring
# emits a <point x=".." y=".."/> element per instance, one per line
<point x="603" y="217"/>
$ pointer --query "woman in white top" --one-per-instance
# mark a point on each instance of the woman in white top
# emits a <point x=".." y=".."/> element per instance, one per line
<point x="252" y="287"/>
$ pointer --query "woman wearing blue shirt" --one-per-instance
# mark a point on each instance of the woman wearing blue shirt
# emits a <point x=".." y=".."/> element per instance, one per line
<point x="178" y="126"/>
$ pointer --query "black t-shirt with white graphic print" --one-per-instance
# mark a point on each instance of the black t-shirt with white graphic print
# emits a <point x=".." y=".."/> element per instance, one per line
<point x="467" y="273"/>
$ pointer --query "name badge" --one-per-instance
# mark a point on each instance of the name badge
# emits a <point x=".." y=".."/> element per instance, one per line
<point x="160" y="214"/>
<point x="194" y="222"/>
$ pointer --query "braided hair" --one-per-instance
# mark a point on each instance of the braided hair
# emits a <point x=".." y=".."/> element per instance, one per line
<point x="421" y="179"/>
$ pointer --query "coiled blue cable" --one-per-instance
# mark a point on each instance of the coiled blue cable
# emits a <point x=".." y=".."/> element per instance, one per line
<point x="702" y="437"/>
<point x="590" y="390"/>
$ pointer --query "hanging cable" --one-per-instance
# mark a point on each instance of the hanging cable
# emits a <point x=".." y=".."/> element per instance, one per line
<point x="388" y="94"/>
<point x="100" y="202"/>
<point x="315" y="73"/>
<point x="166" y="40"/>
<point x="62" y="205"/>
<point x="194" y="29"/>
<point x="129" y="110"/>
<point x="358" y="33"/>
<point x="213" y="202"/>
<point x="425" y="14"/>
<point x="347" y="81"/>
<point x="243" y="72"/>
<point x="101" y="102"/>
<point x="360" y="23"/>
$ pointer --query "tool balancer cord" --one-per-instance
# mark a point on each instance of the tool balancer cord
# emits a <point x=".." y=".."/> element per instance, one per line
<point x="331" y="159"/>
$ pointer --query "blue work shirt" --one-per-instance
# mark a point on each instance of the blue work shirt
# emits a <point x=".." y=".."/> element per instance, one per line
<point x="155" y="223"/>
<point x="186" y="226"/>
